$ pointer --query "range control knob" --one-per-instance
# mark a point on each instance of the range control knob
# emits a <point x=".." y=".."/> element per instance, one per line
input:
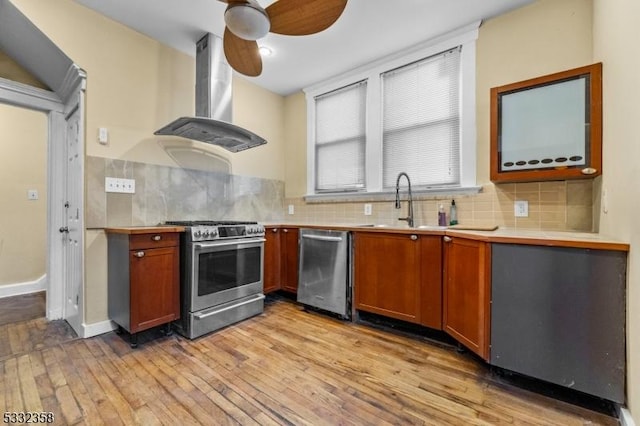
<point x="205" y="233"/>
<point x="214" y="232"/>
<point x="197" y="234"/>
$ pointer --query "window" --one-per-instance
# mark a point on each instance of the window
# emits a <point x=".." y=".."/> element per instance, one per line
<point x="413" y="113"/>
<point x="340" y="139"/>
<point x="421" y="121"/>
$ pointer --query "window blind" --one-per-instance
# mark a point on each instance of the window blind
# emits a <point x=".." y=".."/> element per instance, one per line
<point x="421" y="121"/>
<point x="340" y="139"/>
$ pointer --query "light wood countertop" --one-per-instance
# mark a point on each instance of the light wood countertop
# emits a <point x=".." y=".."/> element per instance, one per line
<point x="501" y="235"/>
<point x="143" y="229"/>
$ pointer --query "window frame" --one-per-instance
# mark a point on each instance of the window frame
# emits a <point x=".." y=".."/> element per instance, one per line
<point x="466" y="38"/>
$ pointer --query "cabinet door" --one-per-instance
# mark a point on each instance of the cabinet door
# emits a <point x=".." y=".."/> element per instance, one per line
<point x="431" y="281"/>
<point x="289" y="252"/>
<point x="387" y="275"/>
<point x="467" y="289"/>
<point x="272" y="250"/>
<point x="155" y="288"/>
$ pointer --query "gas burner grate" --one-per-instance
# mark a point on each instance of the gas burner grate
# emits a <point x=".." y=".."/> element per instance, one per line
<point x="208" y="222"/>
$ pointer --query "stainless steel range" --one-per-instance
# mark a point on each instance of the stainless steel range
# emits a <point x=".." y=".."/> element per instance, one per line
<point x="221" y="266"/>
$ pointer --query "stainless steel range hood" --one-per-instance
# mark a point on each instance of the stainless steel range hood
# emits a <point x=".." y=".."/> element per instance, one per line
<point x="212" y="123"/>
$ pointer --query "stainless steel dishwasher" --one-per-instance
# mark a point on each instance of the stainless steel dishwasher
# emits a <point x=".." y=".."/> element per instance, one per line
<point x="325" y="273"/>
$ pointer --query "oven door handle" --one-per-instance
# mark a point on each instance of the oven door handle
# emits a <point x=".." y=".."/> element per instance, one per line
<point x="239" y="243"/>
<point x="201" y="315"/>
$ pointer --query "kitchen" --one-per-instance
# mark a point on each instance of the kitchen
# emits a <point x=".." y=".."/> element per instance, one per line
<point x="157" y="86"/>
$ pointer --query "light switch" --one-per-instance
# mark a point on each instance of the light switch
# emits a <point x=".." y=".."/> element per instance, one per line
<point x="103" y="135"/>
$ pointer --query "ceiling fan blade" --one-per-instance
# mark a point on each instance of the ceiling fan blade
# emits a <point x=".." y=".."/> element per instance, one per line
<point x="242" y="55"/>
<point x="304" y="17"/>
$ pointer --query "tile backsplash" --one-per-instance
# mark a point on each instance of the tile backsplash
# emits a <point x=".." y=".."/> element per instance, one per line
<point x="562" y="205"/>
<point x="172" y="193"/>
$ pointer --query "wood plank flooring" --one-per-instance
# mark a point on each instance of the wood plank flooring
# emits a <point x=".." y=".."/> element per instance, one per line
<point x="285" y="367"/>
<point x="22" y="308"/>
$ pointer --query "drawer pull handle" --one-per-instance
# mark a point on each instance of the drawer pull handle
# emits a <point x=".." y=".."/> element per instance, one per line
<point x="274" y="230"/>
<point x="447" y="239"/>
<point x="139" y="254"/>
<point x="156" y="237"/>
<point x="414" y="237"/>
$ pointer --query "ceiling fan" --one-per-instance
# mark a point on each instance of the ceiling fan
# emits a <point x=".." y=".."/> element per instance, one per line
<point x="247" y="21"/>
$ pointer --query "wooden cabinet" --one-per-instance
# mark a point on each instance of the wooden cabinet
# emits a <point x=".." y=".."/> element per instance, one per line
<point x="271" y="277"/>
<point x="399" y="276"/>
<point x="281" y="259"/>
<point x="289" y="259"/>
<point x="548" y="128"/>
<point x="467" y="292"/>
<point x="144" y="281"/>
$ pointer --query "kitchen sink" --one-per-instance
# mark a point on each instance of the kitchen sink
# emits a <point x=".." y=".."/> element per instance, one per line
<point x="371" y="225"/>
<point x="432" y="227"/>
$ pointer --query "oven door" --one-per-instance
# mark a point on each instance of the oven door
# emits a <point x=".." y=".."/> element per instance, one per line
<point x="226" y="270"/>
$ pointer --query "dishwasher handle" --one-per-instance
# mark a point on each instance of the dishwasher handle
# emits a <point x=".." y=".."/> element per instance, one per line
<point x="322" y="238"/>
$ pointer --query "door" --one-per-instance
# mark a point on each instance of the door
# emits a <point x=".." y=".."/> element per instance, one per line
<point x="73" y="225"/>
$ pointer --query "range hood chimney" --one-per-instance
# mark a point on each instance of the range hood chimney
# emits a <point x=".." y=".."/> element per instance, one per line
<point x="212" y="123"/>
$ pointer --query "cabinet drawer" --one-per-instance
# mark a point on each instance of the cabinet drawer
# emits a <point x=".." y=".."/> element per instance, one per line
<point x="152" y="240"/>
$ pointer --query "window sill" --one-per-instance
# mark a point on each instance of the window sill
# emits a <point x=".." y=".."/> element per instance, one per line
<point x="419" y="194"/>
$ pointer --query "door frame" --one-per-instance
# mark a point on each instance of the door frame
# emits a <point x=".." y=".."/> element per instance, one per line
<point x="25" y="96"/>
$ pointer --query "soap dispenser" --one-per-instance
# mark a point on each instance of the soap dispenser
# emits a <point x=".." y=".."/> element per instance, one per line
<point x="442" y="216"/>
<point x="453" y="213"/>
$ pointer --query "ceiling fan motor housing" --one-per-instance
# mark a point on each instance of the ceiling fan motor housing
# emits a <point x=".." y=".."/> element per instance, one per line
<point x="248" y="20"/>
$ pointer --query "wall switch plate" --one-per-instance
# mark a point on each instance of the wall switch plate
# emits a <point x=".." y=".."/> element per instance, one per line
<point x="290" y="209"/>
<point x="32" y="194"/>
<point x="125" y="186"/>
<point x="367" y="210"/>
<point x="103" y="135"/>
<point x="521" y="208"/>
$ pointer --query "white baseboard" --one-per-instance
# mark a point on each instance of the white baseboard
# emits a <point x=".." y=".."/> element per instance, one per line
<point x="24" y="288"/>
<point x="97" y="328"/>
<point x="625" y="417"/>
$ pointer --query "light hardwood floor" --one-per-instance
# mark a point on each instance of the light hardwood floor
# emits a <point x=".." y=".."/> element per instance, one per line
<point x="286" y="366"/>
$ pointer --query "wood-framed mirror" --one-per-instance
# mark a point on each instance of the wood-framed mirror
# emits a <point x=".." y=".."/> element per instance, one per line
<point x="548" y="128"/>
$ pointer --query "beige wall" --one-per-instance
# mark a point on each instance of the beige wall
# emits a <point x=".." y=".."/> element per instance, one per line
<point x="134" y="86"/>
<point x="295" y="128"/>
<point x="11" y="70"/>
<point x="23" y="222"/>
<point x="545" y="37"/>
<point x="616" y="35"/>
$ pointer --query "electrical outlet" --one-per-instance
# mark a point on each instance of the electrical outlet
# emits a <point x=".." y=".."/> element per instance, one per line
<point x="521" y="208"/>
<point x="290" y="209"/>
<point x="126" y="186"/>
<point x="367" y="210"/>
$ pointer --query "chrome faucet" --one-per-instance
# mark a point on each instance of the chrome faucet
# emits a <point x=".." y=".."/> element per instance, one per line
<point x="409" y="218"/>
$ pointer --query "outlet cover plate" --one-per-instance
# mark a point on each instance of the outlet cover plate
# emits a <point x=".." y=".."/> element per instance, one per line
<point x="521" y="208"/>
